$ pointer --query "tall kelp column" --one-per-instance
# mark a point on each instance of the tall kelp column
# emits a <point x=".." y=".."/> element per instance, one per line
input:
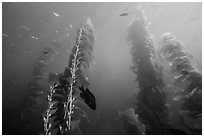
<point x="69" y="90"/>
<point x="178" y="61"/>
<point x="35" y="102"/>
<point x="150" y="98"/>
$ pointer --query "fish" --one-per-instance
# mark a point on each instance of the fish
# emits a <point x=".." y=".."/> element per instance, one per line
<point x="34" y="37"/>
<point x="88" y="97"/>
<point x="124" y="14"/>
<point x="25" y="27"/>
<point x="5" y="35"/>
<point x="57" y="15"/>
<point x="193" y="18"/>
<point x="46" y="52"/>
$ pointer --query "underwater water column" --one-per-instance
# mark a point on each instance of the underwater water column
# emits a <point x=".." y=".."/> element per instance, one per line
<point x="186" y="76"/>
<point x="70" y="89"/>
<point x="35" y="102"/>
<point x="150" y="97"/>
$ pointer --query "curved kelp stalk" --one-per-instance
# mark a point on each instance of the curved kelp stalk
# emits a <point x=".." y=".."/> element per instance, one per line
<point x="35" y="103"/>
<point x="70" y="89"/>
<point x="150" y="97"/>
<point x="187" y="77"/>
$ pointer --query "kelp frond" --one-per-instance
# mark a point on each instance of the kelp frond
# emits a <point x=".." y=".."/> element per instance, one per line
<point x="38" y="87"/>
<point x="182" y="67"/>
<point x="150" y="101"/>
<point x="72" y="86"/>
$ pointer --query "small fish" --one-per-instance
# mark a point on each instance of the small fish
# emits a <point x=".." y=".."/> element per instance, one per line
<point x="88" y="97"/>
<point x="4" y="35"/>
<point x="57" y="15"/>
<point x="194" y="18"/>
<point x="45" y="52"/>
<point x="70" y="25"/>
<point x="34" y="37"/>
<point x="124" y="14"/>
<point x="25" y="27"/>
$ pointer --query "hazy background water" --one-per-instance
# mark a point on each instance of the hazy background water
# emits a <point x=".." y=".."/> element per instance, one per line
<point x="29" y="27"/>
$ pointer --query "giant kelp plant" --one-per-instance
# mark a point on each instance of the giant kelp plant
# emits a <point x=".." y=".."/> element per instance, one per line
<point x="153" y="67"/>
<point x="150" y="98"/>
<point x="69" y="89"/>
<point x="186" y="77"/>
<point x="35" y="102"/>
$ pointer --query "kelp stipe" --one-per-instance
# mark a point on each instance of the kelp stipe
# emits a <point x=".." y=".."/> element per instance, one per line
<point x="71" y="88"/>
<point x="37" y="91"/>
<point x="187" y="77"/>
<point x="150" y="98"/>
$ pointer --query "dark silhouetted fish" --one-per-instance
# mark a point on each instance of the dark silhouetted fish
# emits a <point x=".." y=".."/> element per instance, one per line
<point x="88" y="97"/>
<point x="45" y="52"/>
<point x="124" y="14"/>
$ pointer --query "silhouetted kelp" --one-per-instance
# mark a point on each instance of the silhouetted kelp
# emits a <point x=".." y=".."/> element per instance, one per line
<point x="187" y="77"/>
<point x="150" y="99"/>
<point x="70" y="89"/>
<point x="131" y="123"/>
<point x="35" y="103"/>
